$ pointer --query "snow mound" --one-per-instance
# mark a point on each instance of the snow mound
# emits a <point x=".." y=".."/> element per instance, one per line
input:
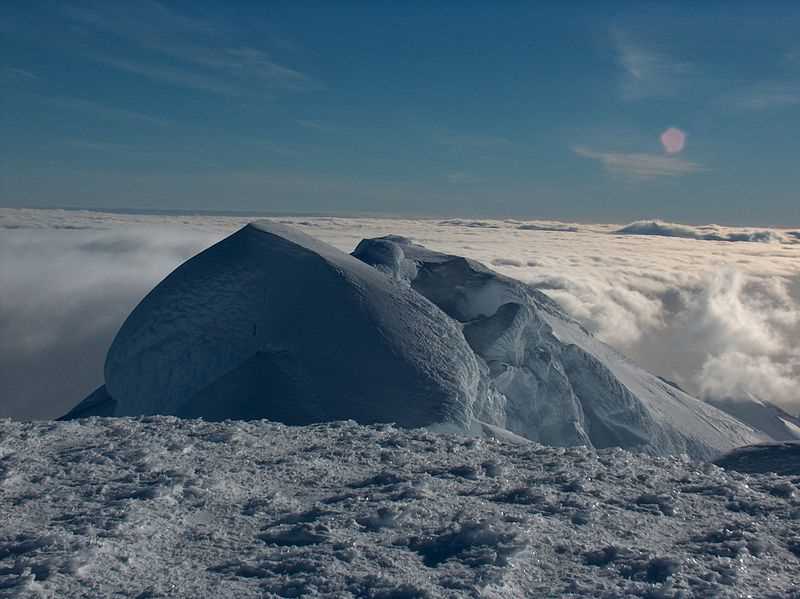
<point x="182" y="508"/>
<point x="271" y="323"/>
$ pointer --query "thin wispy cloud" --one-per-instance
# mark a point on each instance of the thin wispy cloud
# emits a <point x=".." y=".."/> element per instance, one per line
<point x="98" y="109"/>
<point x="765" y="96"/>
<point x="182" y="51"/>
<point x="133" y="153"/>
<point x="265" y="145"/>
<point x="18" y="74"/>
<point x="646" y="72"/>
<point x="141" y="21"/>
<point x="316" y="125"/>
<point x="462" y="178"/>
<point x="100" y="146"/>
<point x="641" y="165"/>
<point x="238" y="61"/>
<point x="779" y="90"/>
<point x="460" y="141"/>
<point x="173" y="76"/>
<point x="253" y="146"/>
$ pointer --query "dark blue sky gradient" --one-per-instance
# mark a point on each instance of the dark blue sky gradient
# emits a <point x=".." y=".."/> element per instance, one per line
<point x="549" y="110"/>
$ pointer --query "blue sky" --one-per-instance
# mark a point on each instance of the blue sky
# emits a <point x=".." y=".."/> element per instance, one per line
<point x="539" y="110"/>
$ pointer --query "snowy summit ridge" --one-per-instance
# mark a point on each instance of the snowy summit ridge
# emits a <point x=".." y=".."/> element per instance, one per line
<point x="272" y="323"/>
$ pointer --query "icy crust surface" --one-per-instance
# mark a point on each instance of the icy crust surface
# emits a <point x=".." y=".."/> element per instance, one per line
<point x="561" y="385"/>
<point x="271" y="323"/>
<point x="164" y="507"/>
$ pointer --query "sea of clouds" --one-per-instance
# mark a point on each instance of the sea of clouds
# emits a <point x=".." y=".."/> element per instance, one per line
<point x="714" y="309"/>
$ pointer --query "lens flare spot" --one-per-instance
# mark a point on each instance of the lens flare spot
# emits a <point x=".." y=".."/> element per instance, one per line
<point x="673" y="140"/>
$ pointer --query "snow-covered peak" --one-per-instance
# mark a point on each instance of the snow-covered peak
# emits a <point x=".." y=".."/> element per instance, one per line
<point x="272" y="323"/>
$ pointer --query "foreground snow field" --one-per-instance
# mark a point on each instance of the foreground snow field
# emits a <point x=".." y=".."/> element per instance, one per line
<point x="163" y="507"/>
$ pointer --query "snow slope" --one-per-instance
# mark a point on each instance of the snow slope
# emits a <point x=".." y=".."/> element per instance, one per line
<point x="165" y="507"/>
<point x="562" y="386"/>
<point x="271" y="323"/>
<point x="761" y="415"/>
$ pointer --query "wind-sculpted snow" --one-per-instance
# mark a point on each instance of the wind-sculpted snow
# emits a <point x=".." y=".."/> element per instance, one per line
<point x="165" y="507"/>
<point x="271" y="323"/>
<point x="561" y="385"/>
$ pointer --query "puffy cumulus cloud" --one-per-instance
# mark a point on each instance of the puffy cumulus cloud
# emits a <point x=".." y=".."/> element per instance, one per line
<point x="694" y="319"/>
<point x="721" y="319"/>
<point x="698" y="324"/>
<point x="737" y="374"/>
<point x="670" y="303"/>
<point x="727" y="335"/>
<point x="729" y="313"/>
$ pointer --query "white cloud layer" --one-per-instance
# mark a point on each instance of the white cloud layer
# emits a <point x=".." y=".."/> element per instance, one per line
<point x="719" y="318"/>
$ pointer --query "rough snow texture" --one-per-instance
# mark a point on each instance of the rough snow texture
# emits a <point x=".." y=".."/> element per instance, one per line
<point x="163" y="507"/>
<point x="271" y="323"/>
